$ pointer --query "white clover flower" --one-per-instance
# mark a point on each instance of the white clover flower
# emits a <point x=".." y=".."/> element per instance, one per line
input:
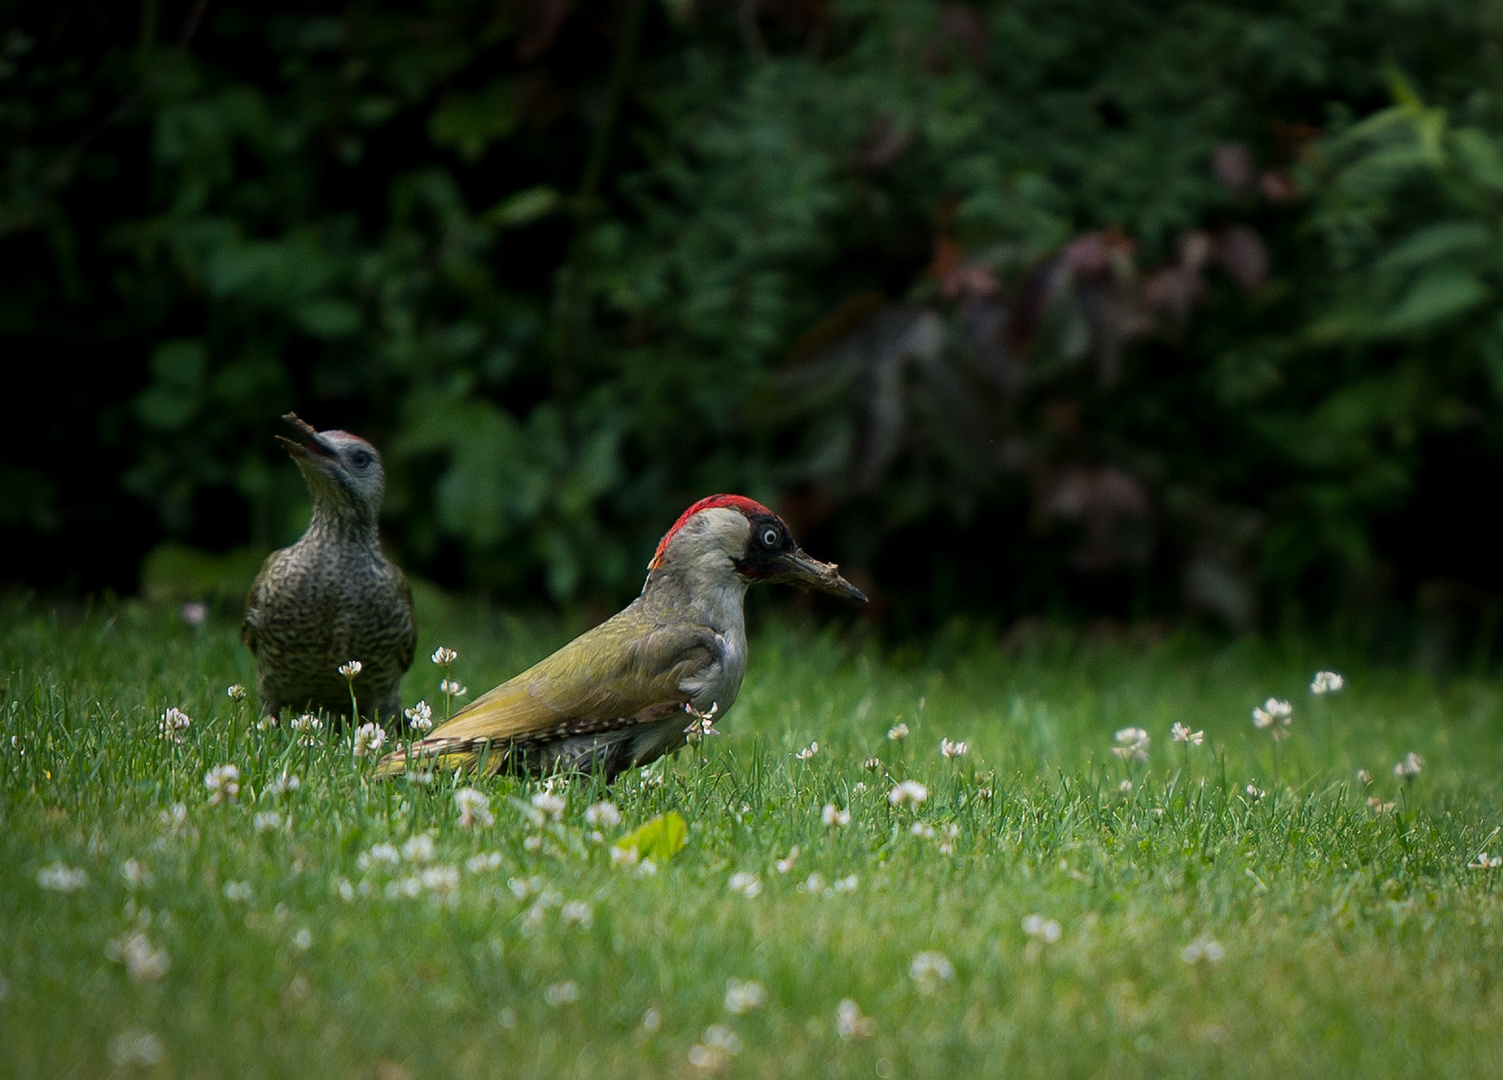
<point x="703" y="723"/>
<point x="302" y="941"/>
<point x="452" y="688"/>
<point x="1378" y="806"/>
<point x="60" y="877"/>
<point x="563" y="993"/>
<point x="1326" y="682"/>
<point x="267" y="722"/>
<point x="235" y="692"/>
<point x="603" y="814"/>
<point x="1484" y="861"/>
<point x="268" y="820"/>
<point x="952" y="749"/>
<point x="283" y="785"/>
<point x="1041" y="929"/>
<point x="929" y="969"/>
<point x="743" y="997"/>
<point x="807" y="752"/>
<point x="443" y="656"/>
<point x="922" y="830"/>
<point x="474" y="808"/>
<point x="576" y="912"/>
<point x="194" y="613"/>
<point x="1125" y="787"/>
<point x="898" y="732"/>
<point x="850" y="1024"/>
<point x="1254" y="792"/>
<point x="420" y="717"/>
<point x="814" y="884"/>
<point x="238" y="891"/>
<point x="1273" y="716"/>
<point x="845" y="884"/>
<point x="858" y="788"/>
<point x="872" y="764"/>
<point x="485" y="860"/>
<point x="624" y="857"/>
<point x="984" y="794"/>
<point x="382" y="853"/>
<point x="1180" y="733"/>
<point x="550" y="804"/>
<point x="403" y="889"/>
<point x="1132" y="744"/>
<point x="1204" y="949"/>
<point x="1409" y="768"/>
<point x="748" y="885"/>
<point x="369" y="738"/>
<point x="143" y="961"/>
<point x="714" y="1053"/>
<point x="223" y="782"/>
<point x="420" y="848"/>
<point x="306" y="727"/>
<point x="1364" y="777"/>
<point x="173" y="723"/>
<point x="135" y="873"/>
<point x="441" y="881"/>
<point x="349" y="669"/>
<point x="834" y="817"/>
<point x="948" y="834"/>
<point x="135" y="1047"/>
<point x="522" y="888"/>
<point x="786" y="864"/>
<point x="174" y="817"/>
<point x="909" y="791"/>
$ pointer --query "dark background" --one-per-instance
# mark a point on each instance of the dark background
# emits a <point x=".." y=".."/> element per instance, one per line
<point x="1137" y="311"/>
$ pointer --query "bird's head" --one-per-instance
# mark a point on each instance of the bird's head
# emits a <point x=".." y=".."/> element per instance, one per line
<point x="727" y="535"/>
<point x="341" y="469"/>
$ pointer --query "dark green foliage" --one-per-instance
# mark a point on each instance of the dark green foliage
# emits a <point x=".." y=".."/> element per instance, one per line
<point x="1121" y="308"/>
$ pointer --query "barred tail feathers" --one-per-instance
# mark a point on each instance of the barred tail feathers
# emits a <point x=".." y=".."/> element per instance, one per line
<point x="442" y="754"/>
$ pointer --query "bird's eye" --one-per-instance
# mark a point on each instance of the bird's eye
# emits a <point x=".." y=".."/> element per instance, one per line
<point x="769" y="537"/>
<point x="361" y="459"/>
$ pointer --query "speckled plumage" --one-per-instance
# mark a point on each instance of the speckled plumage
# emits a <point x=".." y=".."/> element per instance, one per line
<point x="625" y="693"/>
<point x="332" y="596"/>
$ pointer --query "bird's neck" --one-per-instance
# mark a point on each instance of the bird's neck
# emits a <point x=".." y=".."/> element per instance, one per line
<point x="699" y="592"/>
<point x="341" y="523"/>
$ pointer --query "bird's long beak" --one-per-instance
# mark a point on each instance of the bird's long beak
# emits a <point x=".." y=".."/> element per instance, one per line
<point x="797" y="568"/>
<point x="309" y="445"/>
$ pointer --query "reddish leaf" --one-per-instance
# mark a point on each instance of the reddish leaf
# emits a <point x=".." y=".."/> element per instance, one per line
<point x="1241" y="253"/>
<point x="1232" y="165"/>
<point x="538" y="24"/>
<point x="1277" y="186"/>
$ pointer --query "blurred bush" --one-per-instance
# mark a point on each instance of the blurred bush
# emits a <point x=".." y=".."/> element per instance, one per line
<point x="1129" y="308"/>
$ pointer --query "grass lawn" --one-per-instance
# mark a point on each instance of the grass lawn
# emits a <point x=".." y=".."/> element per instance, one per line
<point x="1032" y="916"/>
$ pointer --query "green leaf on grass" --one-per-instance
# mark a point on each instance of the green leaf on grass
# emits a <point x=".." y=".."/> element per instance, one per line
<point x="1435" y="297"/>
<point x="659" y="839"/>
<point x="525" y="207"/>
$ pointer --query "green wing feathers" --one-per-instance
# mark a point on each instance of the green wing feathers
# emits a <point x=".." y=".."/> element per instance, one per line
<point x="618" y="674"/>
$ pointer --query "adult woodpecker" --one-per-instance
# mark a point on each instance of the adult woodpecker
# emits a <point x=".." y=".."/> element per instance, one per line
<point x="632" y="689"/>
<point x="332" y="597"/>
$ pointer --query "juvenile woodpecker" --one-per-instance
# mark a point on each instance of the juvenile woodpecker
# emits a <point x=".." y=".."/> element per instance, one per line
<point x="332" y="597"/>
<point x="632" y="689"/>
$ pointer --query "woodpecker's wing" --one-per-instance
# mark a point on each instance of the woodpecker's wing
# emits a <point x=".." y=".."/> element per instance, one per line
<point x="621" y="673"/>
<point x="255" y="602"/>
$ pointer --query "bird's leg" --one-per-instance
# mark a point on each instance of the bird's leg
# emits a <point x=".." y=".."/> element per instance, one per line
<point x="703" y="723"/>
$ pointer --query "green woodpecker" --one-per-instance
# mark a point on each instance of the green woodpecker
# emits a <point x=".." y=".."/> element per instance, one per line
<point x="332" y="597"/>
<point x="633" y="688"/>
